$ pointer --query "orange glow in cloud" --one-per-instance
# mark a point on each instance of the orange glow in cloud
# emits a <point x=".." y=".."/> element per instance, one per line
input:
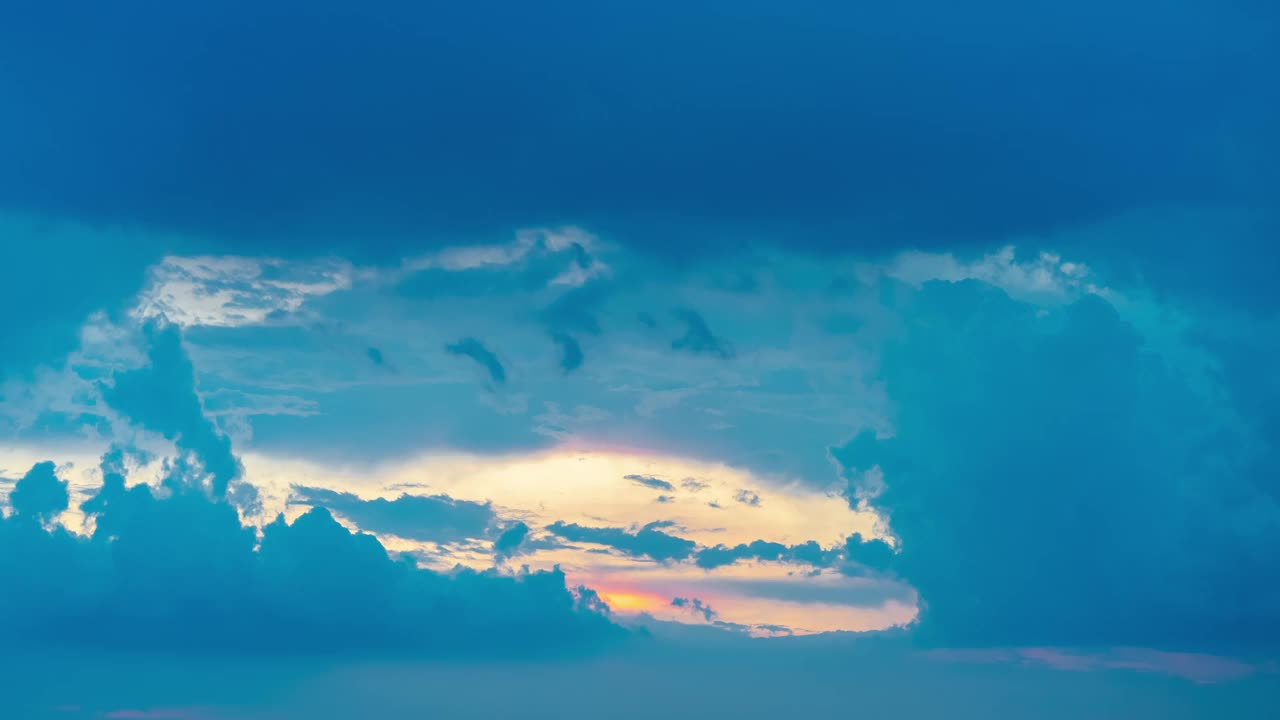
<point x="632" y="601"/>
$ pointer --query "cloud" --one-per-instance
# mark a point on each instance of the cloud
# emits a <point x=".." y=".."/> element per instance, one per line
<point x="528" y="242"/>
<point x="155" y="714"/>
<point x="574" y="312"/>
<point x="716" y="556"/>
<point x="746" y="497"/>
<point x="230" y="291"/>
<point x="1047" y="276"/>
<point x="161" y="397"/>
<point x="1198" y="668"/>
<point x="39" y="495"/>
<point x="1053" y="478"/>
<point x="658" y="525"/>
<point x="474" y="349"/>
<point x="698" y="338"/>
<point x="730" y="142"/>
<point x="428" y="518"/>
<point x="510" y="541"/>
<point x="872" y="553"/>
<point x="62" y="272"/>
<point x="570" y="352"/>
<point x="310" y="586"/>
<point x="649" y="542"/>
<point x="694" y="605"/>
<point x="652" y="483"/>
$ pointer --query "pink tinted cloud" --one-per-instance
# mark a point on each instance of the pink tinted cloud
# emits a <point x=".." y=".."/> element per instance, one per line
<point x="1195" y="667"/>
<point x="1191" y="666"/>
<point x="156" y="714"/>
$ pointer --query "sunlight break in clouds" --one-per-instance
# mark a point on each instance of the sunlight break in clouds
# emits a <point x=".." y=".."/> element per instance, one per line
<point x="591" y="489"/>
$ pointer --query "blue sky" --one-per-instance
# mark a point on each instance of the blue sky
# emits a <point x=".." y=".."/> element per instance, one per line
<point x="584" y="350"/>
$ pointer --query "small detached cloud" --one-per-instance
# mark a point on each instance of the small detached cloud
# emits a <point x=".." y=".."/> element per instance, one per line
<point x="509" y="542"/>
<point x="472" y="348"/>
<point x="650" y="482"/>
<point x="698" y="337"/>
<point x="747" y="497"/>
<point x="694" y="605"/>
<point x="570" y="351"/>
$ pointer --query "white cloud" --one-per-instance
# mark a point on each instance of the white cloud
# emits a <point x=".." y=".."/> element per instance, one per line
<point x="1045" y="277"/>
<point x="528" y="242"/>
<point x="231" y="291"/>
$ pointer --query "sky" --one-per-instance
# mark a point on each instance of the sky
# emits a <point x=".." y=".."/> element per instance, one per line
<point x="733" y="358"/>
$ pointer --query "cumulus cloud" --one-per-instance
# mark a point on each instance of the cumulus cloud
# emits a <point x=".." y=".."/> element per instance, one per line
<point x="1052" y="479"/>
<point x="39" y="495"/>
<point x="308" y="586"/>
<point x="211" y="583"/>
<point x="161" y="397"/>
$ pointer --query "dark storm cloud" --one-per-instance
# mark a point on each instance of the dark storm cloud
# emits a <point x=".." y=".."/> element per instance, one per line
<point x="926" y="120"/>
<point x="331" y="126"/>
